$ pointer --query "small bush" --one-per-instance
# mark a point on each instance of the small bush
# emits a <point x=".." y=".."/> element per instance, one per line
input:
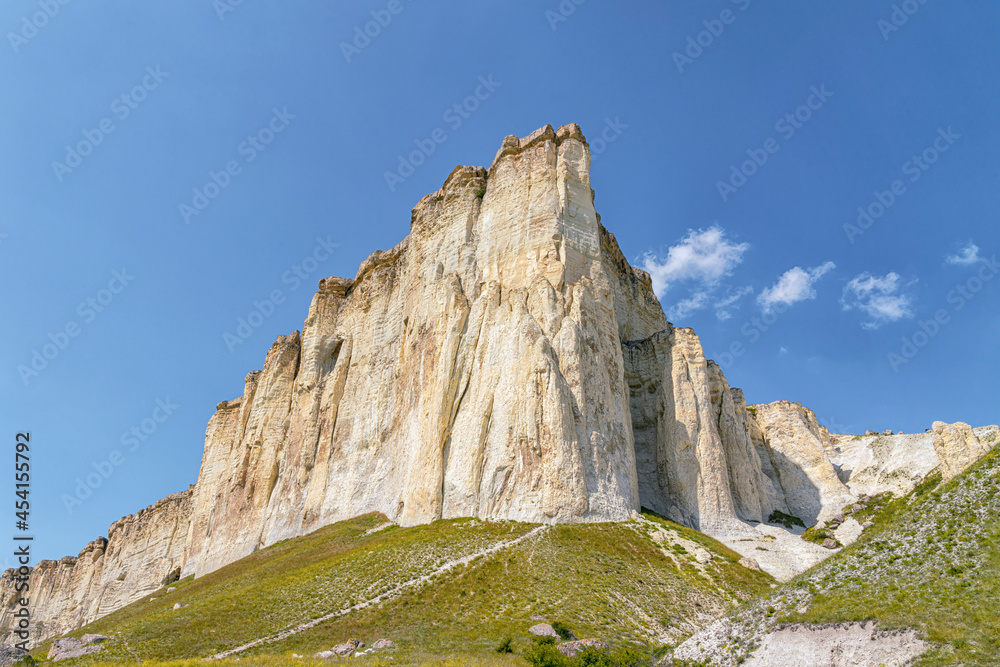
<point x="786" y="520"/>
<point x="480" y="193"/>
<point x="620" y="657"/>
<point x="818" y="535"/>
<point x="545" y="654"/>
<point x="505" y="646"/>
<point x="563" y="630"/>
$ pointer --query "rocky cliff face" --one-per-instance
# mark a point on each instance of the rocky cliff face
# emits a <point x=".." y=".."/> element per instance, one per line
<point x="473" y="370"/>
<point x="694" y="455"/>
<point x="140" y="554"/>
<point x="799" y="450"/>
<point x="503" y="361"/>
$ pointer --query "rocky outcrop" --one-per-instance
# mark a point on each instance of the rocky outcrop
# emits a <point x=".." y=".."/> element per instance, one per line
<point x="543" y="630"/>
<point x="573" y="648"/>
<point x="503" y="361"/>
<point x="799" y="449"/>
<point x="695" y="459"/>
<point x="10" y="654"/>
<point x="473" y="370"/>
<point x="70" y="647"/>
<point x="957" y="447"/>
<point x="879" y="463"/>
<point x="833" y="645"/>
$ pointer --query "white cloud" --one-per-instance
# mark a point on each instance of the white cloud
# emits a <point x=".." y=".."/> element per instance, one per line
<point x="878" y="298"/>
<point x="724" y="306"/>
<point x="795" y="285"/>
<point x="704" y="256"/>
<point x="685" y="307"/>
<point x="706" y="299"/>
<point x="967" y="254"/>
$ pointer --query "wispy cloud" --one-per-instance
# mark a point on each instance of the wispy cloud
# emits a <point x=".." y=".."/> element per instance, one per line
<point x="685" y="307"/>
<point x="967" y="254"/>
<point x="700" y="260"/>
<point x="725" y="306"/>
<point x="794" y="285"/>
<point x="878" y="297"/>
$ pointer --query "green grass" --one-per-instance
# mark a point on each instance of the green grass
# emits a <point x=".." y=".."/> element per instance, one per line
<point x="867" y="509"/>
<point x="819" y="535"/>
<point x="289" y="661"/>
<point x="931" y="562"/>
<point x="606" y="580"/>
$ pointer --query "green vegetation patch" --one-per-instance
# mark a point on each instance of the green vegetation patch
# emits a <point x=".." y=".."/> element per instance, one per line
<point x="786" y="520"/>
<point x="605" y="580"/>
<point x="819" y="535"/>
<point x="930" y="561"/>
<point x="613" y="581"/>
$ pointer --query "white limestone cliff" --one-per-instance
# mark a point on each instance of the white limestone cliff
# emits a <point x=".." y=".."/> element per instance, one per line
<point x="141" y="553"/>
<point x="503" y="361"/>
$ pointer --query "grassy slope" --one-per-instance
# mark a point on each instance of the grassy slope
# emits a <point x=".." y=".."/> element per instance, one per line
<point x="930" y="562"/>
<point x="607" y="580"/>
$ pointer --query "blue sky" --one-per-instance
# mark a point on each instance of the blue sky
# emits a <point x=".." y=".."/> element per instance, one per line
<point x="743" y="137"/>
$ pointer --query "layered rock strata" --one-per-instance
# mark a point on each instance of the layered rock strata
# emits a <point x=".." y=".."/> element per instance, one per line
<point x="504" y="361"/>
<point x="142" y="552"/>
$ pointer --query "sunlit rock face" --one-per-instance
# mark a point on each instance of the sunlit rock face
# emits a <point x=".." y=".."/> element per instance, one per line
<point x="141" y="553"/>
<point x="503" y="361"/>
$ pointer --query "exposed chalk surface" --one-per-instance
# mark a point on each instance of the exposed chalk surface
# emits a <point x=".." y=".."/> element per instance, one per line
<point x="839" y="645"/>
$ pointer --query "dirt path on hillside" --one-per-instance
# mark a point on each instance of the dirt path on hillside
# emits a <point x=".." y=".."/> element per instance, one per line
<point x="388" y="595"/>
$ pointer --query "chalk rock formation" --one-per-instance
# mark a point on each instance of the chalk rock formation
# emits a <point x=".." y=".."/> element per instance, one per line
<point x="694" y="455"/>
<point x="869" y="465"/>
<point x="140" y="552"/>
<point x="800" y="452"/>
<point x="473" y="370"/>
<point x="957" y="447"/>
<point x="503" y="361"/>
